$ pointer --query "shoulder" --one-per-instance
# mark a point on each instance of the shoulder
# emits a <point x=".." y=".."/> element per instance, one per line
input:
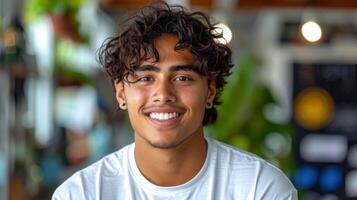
<point x="225" y="153"/>
<point x="267" y="180"/>
<point x="85" y="182"/>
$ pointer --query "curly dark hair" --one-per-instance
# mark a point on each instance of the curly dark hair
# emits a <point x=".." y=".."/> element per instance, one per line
<point x="120" y="55"/>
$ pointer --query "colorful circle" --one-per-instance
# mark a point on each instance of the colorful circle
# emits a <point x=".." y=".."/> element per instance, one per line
<point x="305" y="177"/>
<point x="313" y="108"/>
<point x="331" y="178"/>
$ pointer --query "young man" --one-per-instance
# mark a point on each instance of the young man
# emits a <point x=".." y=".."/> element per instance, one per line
<point x="167" y="70"/>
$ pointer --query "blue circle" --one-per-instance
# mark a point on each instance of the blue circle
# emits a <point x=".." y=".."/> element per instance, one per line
<point x="331" y="178"/>
<point x="305" y="177"/>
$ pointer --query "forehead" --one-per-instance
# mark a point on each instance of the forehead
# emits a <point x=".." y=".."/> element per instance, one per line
<point x="165" y="46"/>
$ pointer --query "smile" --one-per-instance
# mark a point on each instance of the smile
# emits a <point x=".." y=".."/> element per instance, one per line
<point x="164" y="116"/>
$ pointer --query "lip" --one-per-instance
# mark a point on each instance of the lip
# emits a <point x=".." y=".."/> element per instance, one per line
<point x="165" y="123"/>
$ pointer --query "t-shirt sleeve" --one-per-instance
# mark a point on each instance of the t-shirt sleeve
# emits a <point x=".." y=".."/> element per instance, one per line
<point x="273" y="184"/>
<point x="71" y="189"/>
<point x="57" y="196"/>
<point x="60" y="194"/>
<point x="290" y="196"/>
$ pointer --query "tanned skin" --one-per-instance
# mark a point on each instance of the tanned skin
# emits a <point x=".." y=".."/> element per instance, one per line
<point x="168" y="151"/>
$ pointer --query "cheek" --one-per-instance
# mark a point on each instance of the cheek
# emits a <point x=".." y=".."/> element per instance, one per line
<point x="195" y="98"/>
<point x="136" y="96"/>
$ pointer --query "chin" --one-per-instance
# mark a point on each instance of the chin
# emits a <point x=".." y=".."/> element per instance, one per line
<point x="165" y="144"/>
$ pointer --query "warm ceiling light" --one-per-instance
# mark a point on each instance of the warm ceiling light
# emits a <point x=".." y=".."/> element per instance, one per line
<point x="226" y="31"/>
<point x="311" y="31"/>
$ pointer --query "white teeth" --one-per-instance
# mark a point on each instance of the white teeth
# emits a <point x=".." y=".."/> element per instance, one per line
<point x="164" y="116"/>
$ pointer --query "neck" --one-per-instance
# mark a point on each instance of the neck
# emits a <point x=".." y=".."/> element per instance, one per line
<point x="171" y="166"/>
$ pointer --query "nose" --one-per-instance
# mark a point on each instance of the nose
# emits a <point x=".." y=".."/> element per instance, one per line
<point x="164" y="92"/>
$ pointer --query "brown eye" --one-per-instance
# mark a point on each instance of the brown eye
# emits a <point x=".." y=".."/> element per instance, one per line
<point x="145" y="79"/>
<point x="182" y="78"/>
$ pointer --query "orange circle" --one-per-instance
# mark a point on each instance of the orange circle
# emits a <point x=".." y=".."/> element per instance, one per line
<point x="313" y="108"/>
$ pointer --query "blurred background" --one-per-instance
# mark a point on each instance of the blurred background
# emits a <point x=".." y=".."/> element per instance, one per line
<point x="292" y="98"/>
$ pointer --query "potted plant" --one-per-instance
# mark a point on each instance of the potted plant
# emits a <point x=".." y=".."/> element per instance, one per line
<point x="62" y="14"/>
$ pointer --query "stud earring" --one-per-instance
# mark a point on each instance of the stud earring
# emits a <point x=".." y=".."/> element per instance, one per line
<point x="209" y="105"/>
<point x="123" y="106"/>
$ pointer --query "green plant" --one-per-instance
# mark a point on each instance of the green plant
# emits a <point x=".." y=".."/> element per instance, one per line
<point x="242" y="121"/>
<point x="1" y="23"/>
<point x="36" y="8"/>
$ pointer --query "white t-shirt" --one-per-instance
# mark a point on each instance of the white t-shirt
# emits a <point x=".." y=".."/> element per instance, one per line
<point x="228" y="173"/>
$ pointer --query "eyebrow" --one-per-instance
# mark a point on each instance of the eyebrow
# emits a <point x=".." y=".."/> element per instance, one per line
<point x="146" y="68"/>
<point x="174" y="68"/>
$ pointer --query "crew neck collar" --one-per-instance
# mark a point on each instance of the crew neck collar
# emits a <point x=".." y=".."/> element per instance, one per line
<point x="138" y="176"/>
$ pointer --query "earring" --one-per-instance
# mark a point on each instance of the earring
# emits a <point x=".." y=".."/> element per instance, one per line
<point x="123" y="106"/>
<point x="209" y="105"/>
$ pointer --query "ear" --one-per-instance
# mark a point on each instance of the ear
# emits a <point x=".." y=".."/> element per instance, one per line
<point x="211" y="93"/>
<point x="119" y="94"/>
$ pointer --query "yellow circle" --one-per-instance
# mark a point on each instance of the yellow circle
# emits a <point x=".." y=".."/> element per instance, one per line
<point x="313" y="108"/>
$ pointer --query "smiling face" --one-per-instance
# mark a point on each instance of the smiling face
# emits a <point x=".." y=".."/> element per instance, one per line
<point x="166" y="100"/>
